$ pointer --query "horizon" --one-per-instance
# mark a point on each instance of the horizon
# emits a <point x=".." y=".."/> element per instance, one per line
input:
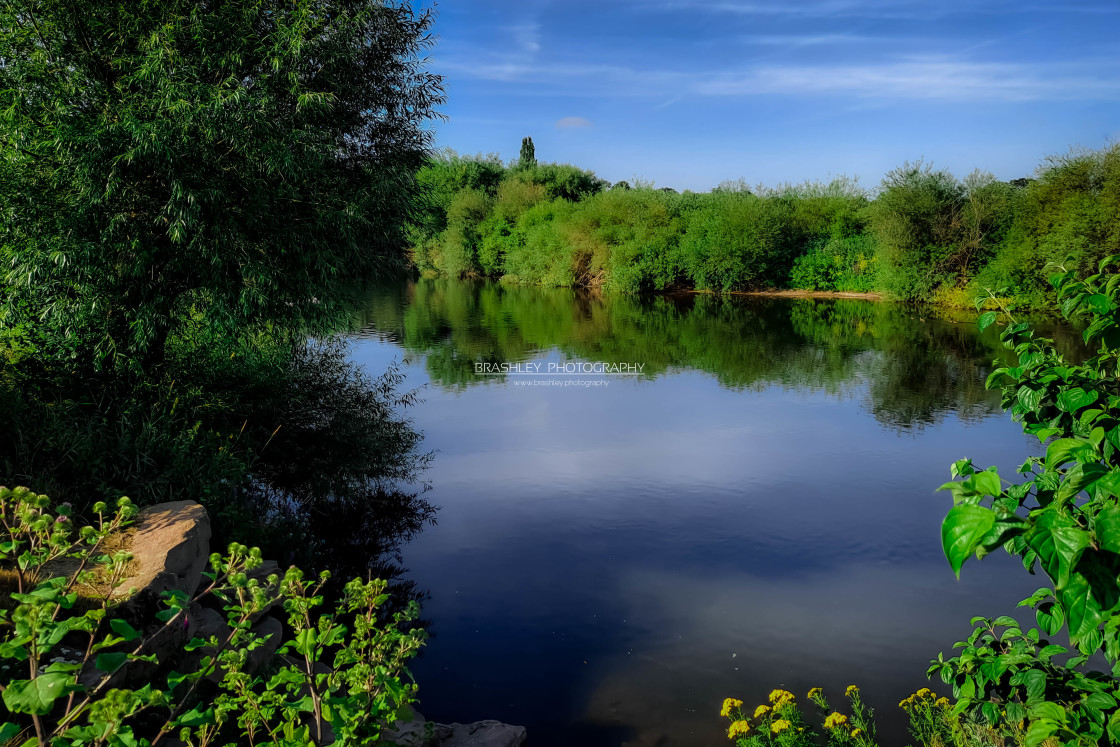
<point x="688" y="94"/>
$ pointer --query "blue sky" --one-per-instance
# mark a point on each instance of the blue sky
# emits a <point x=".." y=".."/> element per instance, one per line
<point x="688" y="93"/>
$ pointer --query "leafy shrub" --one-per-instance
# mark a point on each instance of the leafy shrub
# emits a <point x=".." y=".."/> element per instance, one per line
<point x="837" y="264"/>
<point x="76" y="701"/>
<point x="1011" y="683"/>
<point x="1063" y="518"/>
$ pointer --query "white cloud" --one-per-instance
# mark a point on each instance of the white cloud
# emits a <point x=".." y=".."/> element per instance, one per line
<point x="931" y="78"/>
<point x="527" y="36"/>
<point x="568" y="123"/>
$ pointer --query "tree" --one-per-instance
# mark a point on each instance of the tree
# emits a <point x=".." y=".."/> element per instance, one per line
<point x="230" y="164"/>
<point x="528" y="157"/>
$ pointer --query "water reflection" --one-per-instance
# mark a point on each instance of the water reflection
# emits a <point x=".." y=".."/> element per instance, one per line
<point x="756" y="511"/>
<point x="918" y="368"/>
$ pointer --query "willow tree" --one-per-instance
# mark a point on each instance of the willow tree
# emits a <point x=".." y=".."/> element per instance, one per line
<point x="201" y="161"/>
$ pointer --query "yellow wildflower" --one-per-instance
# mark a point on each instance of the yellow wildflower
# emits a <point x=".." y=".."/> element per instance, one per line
<point x="942" y="703"/>
<point x="737" y="728"/>
<point x="923" y="692"/>
<point x="835" y="720"/>
<point x="852" y="690"/>
<point x="761" y="711"/>
<point x="815" y="692"/>
<point x="728" y="705"/>
<point x="856" y="733"/>
<point x="780" y="725"/>
<point x="780" y="697"/>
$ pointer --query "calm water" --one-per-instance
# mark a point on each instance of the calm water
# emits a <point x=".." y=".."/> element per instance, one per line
<point x="755" y="510"/>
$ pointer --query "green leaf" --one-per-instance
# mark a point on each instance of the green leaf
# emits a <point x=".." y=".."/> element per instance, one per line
<point x="986" y="483"/>
<point x="110" y="662"/>
<point x="1059" y="542"/>
<point x="1051" y="617"/>
<point x="1048" y="710"/>
<point x="1082" y="610"/>
<point x="1114" y="727"/>
<point x="37" y="696"/>
<point x="1029" y="398"/>
<point x="196" y="716"/>
<point x="1034" y="682"/>
<point x="123" y="629"/>
<point x="1107" y="529"/>
<point x="1072" y="400"/>
<point x="1100" y="701"/>
<point x="986" y="320"/>
<point x="1039" y="731"/>
<point x="961" y="532"/>
<point x="1062" y="450"/>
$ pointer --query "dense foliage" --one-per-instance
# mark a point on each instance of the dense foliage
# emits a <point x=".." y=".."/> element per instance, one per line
<point x="68" y="649"/>
<point x="186" y="192"/>
<point x="1062" y="517"/>
<point x="1013" y="684"/>
<point x="172" y="166"/>
<point x="923" y="234"/>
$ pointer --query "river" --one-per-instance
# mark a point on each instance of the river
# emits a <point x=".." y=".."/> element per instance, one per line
<point x="738" y="495"/>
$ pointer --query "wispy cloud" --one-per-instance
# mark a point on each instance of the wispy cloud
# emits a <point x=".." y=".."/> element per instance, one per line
<point x="526" y="36"/>
<point x="809" y="40"/>
<point x="934" y="79"/>
<point x="876" y="9"/>
<point x="570" y="123"/>
<point x="931" y="78"/>
<point x="812" y="8"/>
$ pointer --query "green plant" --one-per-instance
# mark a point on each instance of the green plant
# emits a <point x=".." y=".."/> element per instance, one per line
<point x="1063" y="517"/>
<point x="246" y="161"/>
<point x="73" y="696"/>
<point x="780" y="722"/>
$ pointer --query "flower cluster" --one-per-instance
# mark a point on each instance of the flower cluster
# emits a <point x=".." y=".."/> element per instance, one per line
<point x="931" y="718"/>
<point x="780" y="723"/>
<point x="777" y="722"/>
<point x="729" y="704"/>
<point x="923" y="697"/>
<point x="780" y="698"/>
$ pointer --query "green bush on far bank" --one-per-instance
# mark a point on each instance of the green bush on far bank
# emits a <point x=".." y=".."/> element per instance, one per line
<point x="924" y="235"/>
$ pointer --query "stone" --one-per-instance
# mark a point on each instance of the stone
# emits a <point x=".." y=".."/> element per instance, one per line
<point x="481" y="734"/>
<point x="410" y="730"/>
<point x="171" y="548"/>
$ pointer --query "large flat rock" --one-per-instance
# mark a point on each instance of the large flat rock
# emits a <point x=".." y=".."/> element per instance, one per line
<point x="480" y="734"/>
<point x="171" y="547"/>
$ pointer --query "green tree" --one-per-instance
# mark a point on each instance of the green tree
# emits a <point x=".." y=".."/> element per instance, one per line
<point x="528" y="157"/>
<point x="225" y="164"/>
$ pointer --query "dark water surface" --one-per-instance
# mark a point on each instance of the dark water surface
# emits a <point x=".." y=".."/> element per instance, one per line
<point x="755" y="510"/>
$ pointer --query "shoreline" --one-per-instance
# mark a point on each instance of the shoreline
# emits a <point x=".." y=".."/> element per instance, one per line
<point x="794" y="293"/>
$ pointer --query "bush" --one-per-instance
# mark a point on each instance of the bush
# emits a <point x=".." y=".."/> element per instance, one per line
<point x="270" y="434"/>
<point x="1011" y="683"/>
<point x="76" y="701"/>
<point x="837" y="264"/>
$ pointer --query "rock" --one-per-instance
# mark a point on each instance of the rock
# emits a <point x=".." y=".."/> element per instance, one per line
<point x="480" y="734"/>
<point x="171" y="547"/>
<point x="411" y="730"/>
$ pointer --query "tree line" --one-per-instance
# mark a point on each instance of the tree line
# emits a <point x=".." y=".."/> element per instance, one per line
<point x="923" y="235"/>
